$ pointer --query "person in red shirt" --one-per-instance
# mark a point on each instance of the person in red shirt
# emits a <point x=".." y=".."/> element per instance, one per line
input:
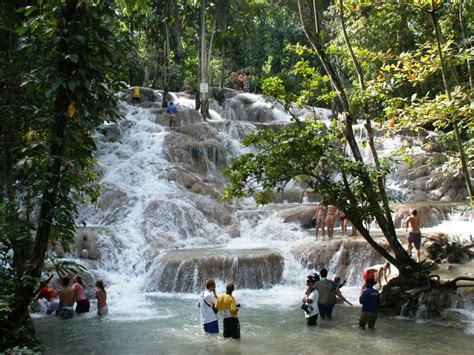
<point x="50" y="297"/>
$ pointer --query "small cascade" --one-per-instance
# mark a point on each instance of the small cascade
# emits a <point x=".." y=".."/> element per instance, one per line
<point x="186" y="270"/>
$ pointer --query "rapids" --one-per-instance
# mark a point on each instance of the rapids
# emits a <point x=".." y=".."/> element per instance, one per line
<point x="159" y="231"/>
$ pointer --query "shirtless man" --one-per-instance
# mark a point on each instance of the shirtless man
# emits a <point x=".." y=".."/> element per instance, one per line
<point x="66" y="299"/>
<point x="321" y="218"/>
<point x="412" y="226"/>
<point x="330" y="220"/>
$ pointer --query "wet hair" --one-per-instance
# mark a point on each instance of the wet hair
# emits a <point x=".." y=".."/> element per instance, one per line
<point x="414" y="212"/>
<point x="65" y="281"/>
<point x="79" y="280"/>
<point x="210" y="283"/>
<point x="323" y="273"/>
<point x="337" y="279"/>
<point x="229" y="288"/>
<point x="370" y="283"/>
<point x="99" y="284"/>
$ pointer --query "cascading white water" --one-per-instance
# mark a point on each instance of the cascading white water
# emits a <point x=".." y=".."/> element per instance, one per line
<point x="149" y="211"/>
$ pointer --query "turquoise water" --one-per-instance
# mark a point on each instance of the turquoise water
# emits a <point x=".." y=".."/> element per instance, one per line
<point x="172" y="326"/>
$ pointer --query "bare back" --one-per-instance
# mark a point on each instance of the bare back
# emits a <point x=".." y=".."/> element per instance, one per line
<point x="412" y="224"/>
<point x="101" y="298"/>
<point x="66" y="296"/>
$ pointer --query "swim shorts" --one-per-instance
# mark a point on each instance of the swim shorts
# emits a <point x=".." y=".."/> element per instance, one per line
<point x="103" y="311"/>
<point x="415" y="238"/>
<point x="82" y="306"/>
<point x="231" y="328"/>
<point x="211" y="327"/>
<point x="67" y="312"/>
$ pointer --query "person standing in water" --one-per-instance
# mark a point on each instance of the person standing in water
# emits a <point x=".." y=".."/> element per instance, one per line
<point x="310" y="302"/>
<point x="228" y="306"/>
<point x="326" y="297"/>
<point x="101" y="296"/>
<point x="83" y="304"/>
<point x="321" y="218"/>
<point x="66" y="299"/>
<point x="412" y="226"/>
<point x="172" y="110"/>
<point x="370" y="301"/>
<point x="207" y="304"/>
<point x="330" y="220"/>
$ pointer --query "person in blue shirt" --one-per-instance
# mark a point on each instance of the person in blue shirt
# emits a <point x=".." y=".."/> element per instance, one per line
<point x="370" y="301"/>
<point x="172" y="110"/>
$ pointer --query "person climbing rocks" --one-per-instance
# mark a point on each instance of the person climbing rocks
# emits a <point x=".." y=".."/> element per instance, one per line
<point x="412" y="226"/>
<point x="326" y="298"/>
<point x="101" y="296"/>
<point x="370" y="301"/>
<point x="136" y="96"/>
<point x="310" y="301"/>
<point x="172" y="110"/>
<point x="66" y="299"/>
<point x="227" y="304"/>
<point x="207" y="304"/>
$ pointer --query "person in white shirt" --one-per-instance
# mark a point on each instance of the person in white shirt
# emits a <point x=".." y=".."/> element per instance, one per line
<point x="208" y="311"/>
<point x="310" y="302"/>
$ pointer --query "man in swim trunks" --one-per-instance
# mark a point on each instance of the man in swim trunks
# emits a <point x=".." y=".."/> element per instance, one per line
<point x="412" y="226"/>
<point x="66" y="299"/>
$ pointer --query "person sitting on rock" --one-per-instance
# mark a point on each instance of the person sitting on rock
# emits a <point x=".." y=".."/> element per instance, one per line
<point x="412" y="226"/>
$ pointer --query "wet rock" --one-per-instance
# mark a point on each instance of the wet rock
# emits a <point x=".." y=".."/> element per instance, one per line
<point x="302" y="215"/>
<point x="188" y="270"/>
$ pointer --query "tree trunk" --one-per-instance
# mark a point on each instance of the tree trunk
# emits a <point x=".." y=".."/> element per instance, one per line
<point x="222" y="80"/>
<point x="72" y="16"/>
<point x="461" y="152"/>
<point x="464" y="37"/>
<point x="368" y="127"/>
<point x="204" y="95"/>
<point x="310" y="20"/>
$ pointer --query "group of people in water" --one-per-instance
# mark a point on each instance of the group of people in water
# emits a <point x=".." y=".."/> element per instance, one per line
<point x="62" y="302"/>
<point x="320" y="297"/>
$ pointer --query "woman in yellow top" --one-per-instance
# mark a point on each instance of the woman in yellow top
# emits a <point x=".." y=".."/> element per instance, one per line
<point x="227" y="305"/>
